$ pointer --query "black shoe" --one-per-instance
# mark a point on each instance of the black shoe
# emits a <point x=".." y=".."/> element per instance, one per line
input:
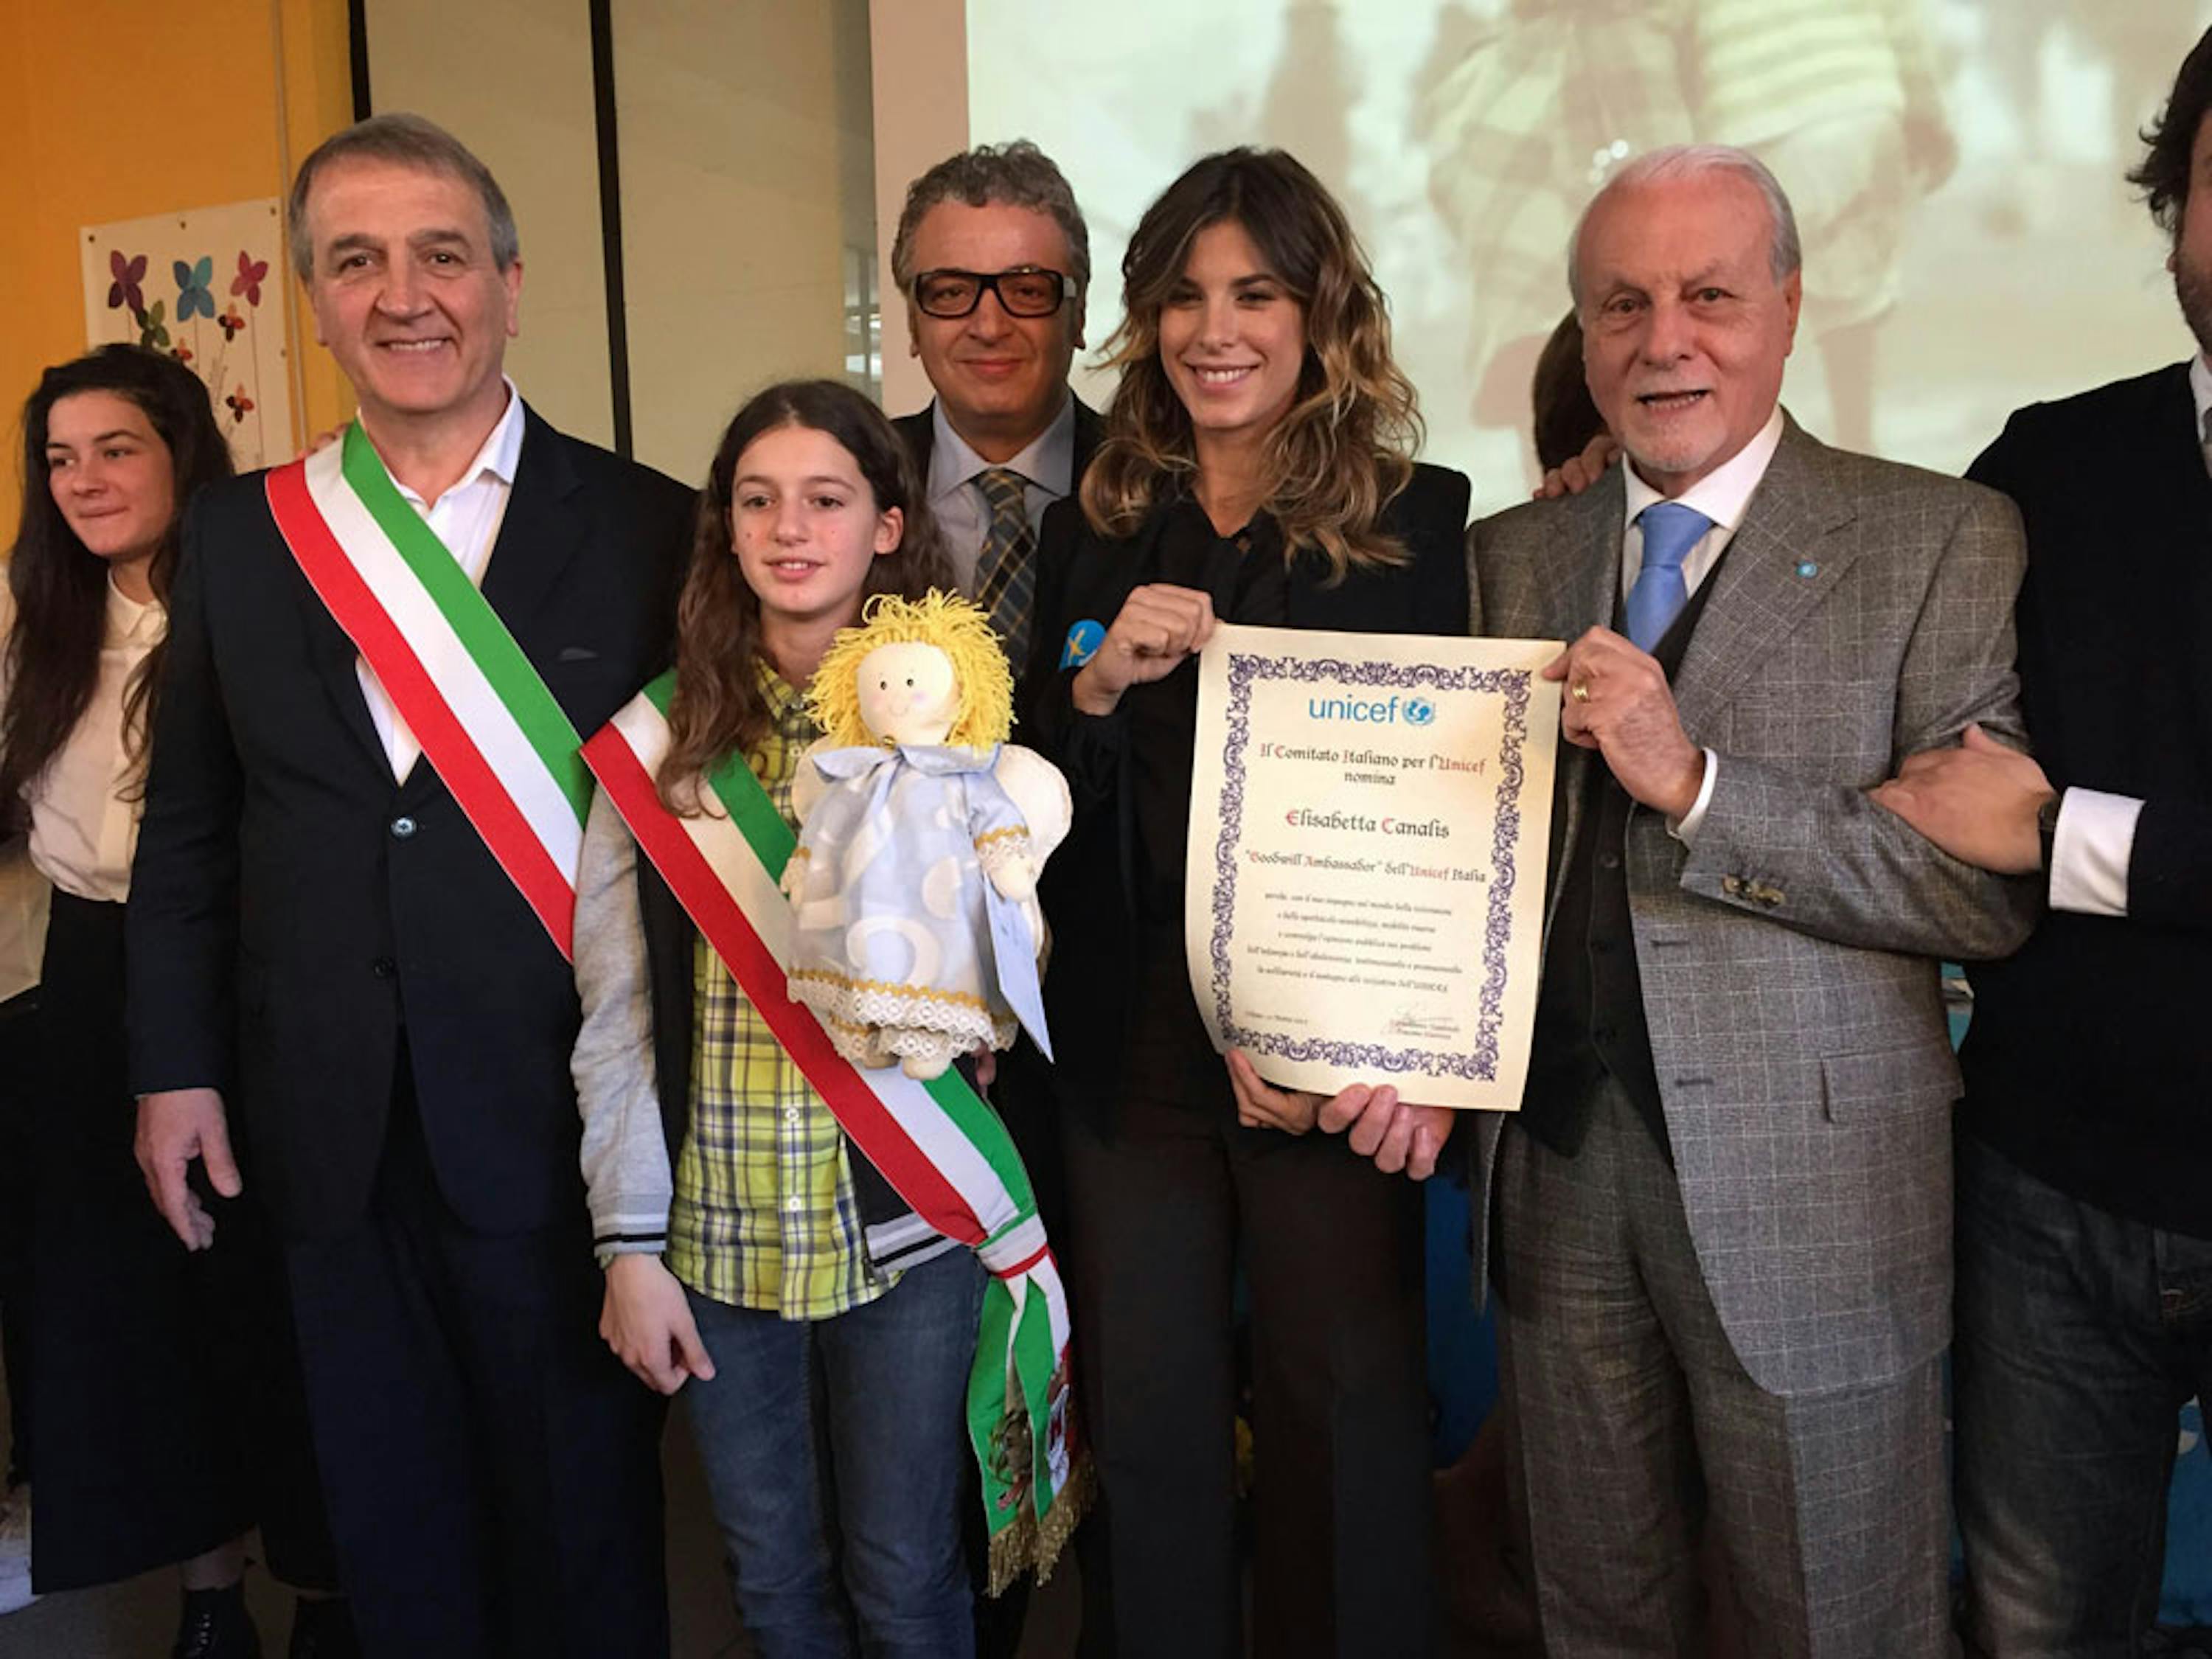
<point x="214" y="1625"/>
<point x="322" y="1628"/>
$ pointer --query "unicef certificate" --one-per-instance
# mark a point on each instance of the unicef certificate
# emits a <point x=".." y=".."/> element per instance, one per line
<point x="1369" y="822"/>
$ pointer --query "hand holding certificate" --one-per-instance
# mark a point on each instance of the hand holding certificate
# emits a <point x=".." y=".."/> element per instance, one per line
<point x="1371" y="820"/>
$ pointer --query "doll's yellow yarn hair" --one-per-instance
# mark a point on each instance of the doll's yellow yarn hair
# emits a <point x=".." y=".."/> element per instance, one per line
<point x="955" y="626"/>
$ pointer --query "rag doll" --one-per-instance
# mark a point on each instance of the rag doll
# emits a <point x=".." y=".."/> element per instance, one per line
<point x="921" y="831"/>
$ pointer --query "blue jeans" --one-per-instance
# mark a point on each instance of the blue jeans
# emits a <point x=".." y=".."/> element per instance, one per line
<point x="895" y="1380"/>
<point x="2080" y="1336"/>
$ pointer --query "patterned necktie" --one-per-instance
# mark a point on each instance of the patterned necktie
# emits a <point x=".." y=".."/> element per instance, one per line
<point x="1670" y="531"/>
<point x="1005" y="570"/>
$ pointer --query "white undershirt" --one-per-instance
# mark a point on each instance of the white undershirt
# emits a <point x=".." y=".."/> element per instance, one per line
<point x="466" y="518"/>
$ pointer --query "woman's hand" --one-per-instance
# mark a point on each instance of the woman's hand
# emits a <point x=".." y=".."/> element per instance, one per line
<point x="1159" y="626"/>
<point x="1260" y="1105"/>
<point x="646" y="1319"/>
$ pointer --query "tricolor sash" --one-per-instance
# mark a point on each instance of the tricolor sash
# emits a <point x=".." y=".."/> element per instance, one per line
<point x="499" y="742"/>
<point x="941" y="1148"/>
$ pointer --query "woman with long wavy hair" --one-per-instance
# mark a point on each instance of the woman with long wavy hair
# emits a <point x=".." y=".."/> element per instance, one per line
<point x="156" y="1373"/>
<point x="1257" y="468"/>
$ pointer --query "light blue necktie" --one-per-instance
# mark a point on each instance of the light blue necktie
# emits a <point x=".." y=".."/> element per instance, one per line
<point x="1670" y="531"/>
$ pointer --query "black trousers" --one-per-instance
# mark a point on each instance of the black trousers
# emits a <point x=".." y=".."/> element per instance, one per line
<point x="167" y="1402"/>
<point x="19" y="1087"/>
<point x="493" y="1471"/>
<point x="1164" y="1204"/>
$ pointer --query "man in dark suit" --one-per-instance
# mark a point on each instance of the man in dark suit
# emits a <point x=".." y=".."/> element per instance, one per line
<point x="2085" y="1164"/>
<point x="322" y="937"/>
<point x="1724" y="1207"/>
<point x="994" y="261"/>
<point x="994" y="258"/>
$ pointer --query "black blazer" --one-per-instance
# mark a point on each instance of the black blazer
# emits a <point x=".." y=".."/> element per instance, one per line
<point x="299" y="922"/>
<point x="2089" y="1054"/>
<point x="919" y="429"/>
<point x="1089" y="888"/>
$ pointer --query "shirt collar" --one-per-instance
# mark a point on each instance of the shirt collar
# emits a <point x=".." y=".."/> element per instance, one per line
<point x="1048" y="462"/>
<point x="1723" y="494"/>
<point x="2200" y="387"/>
<point x="786" y="705"/>
<point x="131" y="622"/>
<point x="500" y="452"/>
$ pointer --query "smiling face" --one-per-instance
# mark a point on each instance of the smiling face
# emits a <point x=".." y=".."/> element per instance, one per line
<point x="406" y="294"/>
<point x="1232" y="340"/>
<point x="111" y="475"/>
<point x="1685" y="328"/>
<point x="908" y="694"/>
<point x="1000" y="379"/>
<point x="805" y="527"/>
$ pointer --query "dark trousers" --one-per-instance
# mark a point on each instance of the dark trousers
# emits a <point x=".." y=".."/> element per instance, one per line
<point x="167" y="1398"/>
<point x="1637" y="1426"/>
<point x="1163" y="1206"/>
<point x="2080" y="1336"/>
<point x="492" y="1472"/>
<point x="18" y="1191"/>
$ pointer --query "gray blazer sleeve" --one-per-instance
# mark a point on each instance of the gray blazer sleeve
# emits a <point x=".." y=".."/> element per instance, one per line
<point x="625" y="1147"/>
<point x="1821" y="857"/>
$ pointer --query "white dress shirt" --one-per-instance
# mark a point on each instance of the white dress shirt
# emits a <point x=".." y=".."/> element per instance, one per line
<point x="1046" y="468"/>
<point x="84" y="830"/>
<point x="1722" y="495"/>
<point x="466" y="518"/>
<point x="2095" y="841"/>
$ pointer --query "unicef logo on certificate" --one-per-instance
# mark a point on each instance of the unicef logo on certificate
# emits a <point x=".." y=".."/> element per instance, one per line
<point x="1419" y="711"/>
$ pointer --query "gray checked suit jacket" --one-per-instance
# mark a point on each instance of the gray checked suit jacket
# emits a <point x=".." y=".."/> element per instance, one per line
<point x="1789" y="954"/>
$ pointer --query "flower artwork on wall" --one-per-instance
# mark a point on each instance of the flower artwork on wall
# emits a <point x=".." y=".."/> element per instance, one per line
<point x="206" y="286"/>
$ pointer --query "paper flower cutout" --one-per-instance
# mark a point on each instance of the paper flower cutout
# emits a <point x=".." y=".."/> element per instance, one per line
<point x="128" y="274"/>
<point x="192" y="296"/>
<point x="251" y="274"/>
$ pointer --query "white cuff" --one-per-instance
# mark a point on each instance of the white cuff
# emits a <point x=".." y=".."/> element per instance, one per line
<point x="2090" y="853"/>
<point x="1686" y="830"/>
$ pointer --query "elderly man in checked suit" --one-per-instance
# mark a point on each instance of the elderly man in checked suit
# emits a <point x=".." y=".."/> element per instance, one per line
<point x="1723" y="1214"/>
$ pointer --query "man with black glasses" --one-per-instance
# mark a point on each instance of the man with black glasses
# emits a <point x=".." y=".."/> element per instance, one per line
<point x="994" y="260"/>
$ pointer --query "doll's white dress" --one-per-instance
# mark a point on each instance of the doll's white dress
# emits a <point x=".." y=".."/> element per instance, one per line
<point x="895" y="913"/>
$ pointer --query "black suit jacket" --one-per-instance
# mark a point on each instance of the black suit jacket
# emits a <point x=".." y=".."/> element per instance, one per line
<point x="2089" y="1057"/>
<point x="1089" y="889"/>
<point x="288" y="944"/>
<point x="919" y="430"/>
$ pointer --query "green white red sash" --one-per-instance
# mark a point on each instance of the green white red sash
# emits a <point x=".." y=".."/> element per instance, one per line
<point x="941" y="1148"/>
<point x="499" y="740"/>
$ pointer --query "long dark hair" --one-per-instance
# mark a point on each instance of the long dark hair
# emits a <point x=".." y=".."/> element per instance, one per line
<point x="60" y="586"/>
<point x="717" y="708"/>
<point x="1345" y="444"/>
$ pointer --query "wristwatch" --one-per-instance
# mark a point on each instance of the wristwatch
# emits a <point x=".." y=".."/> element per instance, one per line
<point x="2046" y="826"/>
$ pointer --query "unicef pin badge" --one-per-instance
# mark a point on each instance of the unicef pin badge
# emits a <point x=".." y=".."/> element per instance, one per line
<point x="1082" y="642"/>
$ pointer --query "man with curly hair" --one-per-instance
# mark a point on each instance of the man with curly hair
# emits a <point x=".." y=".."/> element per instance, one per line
<point x="2084" y="1313"/>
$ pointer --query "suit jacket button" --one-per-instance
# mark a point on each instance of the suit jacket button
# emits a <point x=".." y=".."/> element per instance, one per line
<point x="384" y="966"/>
<point x="1608" y="860"/>
<point x="402" y="827"/>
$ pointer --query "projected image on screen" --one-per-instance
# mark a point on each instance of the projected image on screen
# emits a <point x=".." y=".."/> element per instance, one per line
<point x="1955" y="167"/>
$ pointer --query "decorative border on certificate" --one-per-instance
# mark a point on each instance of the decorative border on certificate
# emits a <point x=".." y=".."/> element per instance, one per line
<point x="1480" y="1064"/>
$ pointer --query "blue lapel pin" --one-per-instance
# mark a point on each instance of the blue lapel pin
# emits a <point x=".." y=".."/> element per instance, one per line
<point x="1806" y="568"/>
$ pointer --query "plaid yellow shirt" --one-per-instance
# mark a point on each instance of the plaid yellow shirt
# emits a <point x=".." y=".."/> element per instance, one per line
<point x="763" y="1215"/>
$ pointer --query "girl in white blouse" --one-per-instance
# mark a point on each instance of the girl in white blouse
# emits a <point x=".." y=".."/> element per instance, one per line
<point x="160" y="1378"/>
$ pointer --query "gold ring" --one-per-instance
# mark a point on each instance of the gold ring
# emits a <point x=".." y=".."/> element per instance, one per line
<point x="1579" y="690"/>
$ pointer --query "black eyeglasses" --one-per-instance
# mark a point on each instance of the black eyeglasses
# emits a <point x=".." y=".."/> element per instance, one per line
<point x="1025" y="291"/>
